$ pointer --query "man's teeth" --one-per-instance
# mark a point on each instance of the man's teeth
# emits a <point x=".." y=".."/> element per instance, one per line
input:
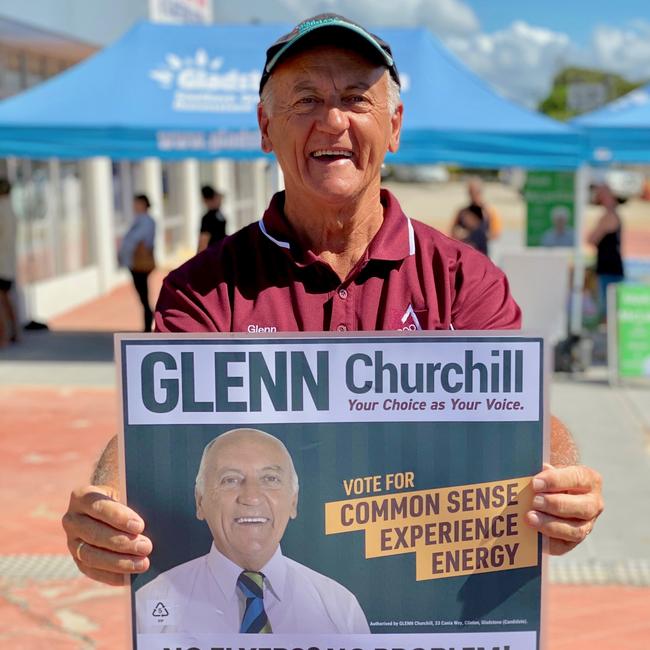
<point x="251" y="520"/>
<point x="332" y="152"/>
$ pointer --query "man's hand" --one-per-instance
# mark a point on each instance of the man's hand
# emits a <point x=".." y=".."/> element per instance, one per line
<point x="104" y="536"/>
<point x="567" y="501"/>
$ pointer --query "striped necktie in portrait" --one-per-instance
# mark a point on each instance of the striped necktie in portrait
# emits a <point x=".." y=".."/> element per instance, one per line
<point x="255" y="620"/>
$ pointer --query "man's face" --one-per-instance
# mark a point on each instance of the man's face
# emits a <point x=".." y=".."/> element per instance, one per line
<point x="560" y="219"/>
<point x="213" y="202"/>
<point x="605" y="197"/>
<point x="248" y="497"/>
<point x="139" y="206"/>
<point x="329" y="123"/>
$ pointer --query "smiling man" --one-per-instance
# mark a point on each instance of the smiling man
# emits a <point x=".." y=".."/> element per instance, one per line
<point x="246" y="491"/>
<point x="333" y="252"/>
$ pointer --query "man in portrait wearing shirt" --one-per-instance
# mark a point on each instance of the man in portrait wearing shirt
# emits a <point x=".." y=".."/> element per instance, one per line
<point x="246" y="491"/>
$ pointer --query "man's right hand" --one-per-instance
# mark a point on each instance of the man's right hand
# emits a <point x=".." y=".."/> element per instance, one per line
<point x="104" y="536"/>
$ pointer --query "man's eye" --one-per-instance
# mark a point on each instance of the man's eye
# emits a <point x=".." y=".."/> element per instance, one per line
<point x="271" y="479"/>
<point x="229" y="480"/>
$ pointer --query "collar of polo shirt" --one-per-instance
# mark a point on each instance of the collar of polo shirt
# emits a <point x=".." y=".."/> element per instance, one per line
<point x="394" y="241"/>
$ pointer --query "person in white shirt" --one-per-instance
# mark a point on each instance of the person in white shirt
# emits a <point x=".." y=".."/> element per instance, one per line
<point x="246" y="491"/>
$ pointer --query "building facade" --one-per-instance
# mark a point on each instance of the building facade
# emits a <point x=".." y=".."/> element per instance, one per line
<point x="73" y="213"/>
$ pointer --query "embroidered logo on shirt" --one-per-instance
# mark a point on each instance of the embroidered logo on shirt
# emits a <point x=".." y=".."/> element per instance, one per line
<point x="410" y="321"/>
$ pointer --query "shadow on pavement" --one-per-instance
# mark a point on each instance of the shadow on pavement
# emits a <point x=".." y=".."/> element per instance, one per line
<point x="58" y="346"/>
<point x="595" y="376"/>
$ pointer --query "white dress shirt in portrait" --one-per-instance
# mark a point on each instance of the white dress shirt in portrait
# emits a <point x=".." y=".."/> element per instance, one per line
<point x="201" y="596"/>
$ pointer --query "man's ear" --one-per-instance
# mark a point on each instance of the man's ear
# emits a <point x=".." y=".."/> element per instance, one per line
<point x="263" y="121"/>
<point x="395" y="128"/>
<point x="198" y="498"/>
<point x="294" y="507"/>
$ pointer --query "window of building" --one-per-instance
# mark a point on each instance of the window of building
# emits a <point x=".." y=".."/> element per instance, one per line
<point x="54" y="238"/>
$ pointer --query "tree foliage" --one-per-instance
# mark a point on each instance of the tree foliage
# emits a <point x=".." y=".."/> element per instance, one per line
<point x="556" y="104"/>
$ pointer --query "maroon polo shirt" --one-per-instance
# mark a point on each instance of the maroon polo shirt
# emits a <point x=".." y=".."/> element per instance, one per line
<point x="410" y="277"/>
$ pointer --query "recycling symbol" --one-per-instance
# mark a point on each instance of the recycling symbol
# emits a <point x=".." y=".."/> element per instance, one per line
<point x="160" y="611"/>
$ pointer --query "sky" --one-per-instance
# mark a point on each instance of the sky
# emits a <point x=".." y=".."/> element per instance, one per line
<point x="515" y="45"/>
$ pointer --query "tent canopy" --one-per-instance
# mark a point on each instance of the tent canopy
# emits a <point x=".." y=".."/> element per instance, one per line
<point x="620" y="131"/>
<point x="191" y="91"/>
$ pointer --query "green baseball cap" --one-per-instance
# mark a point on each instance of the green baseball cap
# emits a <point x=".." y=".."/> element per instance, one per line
<point x="331" y="29"/>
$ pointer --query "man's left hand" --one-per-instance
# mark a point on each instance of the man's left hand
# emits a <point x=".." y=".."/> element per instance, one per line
<point x="567" y="501"/>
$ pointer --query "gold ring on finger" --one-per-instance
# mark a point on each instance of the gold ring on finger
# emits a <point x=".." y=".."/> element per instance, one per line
<point x="78" y="551"/>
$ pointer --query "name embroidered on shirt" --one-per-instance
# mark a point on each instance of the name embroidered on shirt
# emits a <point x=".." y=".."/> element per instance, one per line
<point x="253" y="327"/>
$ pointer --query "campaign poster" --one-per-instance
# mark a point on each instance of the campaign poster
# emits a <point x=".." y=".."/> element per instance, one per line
<point x="629" y="331"/>
<point x="550" y="219"/>
<point x="361" y="492"/>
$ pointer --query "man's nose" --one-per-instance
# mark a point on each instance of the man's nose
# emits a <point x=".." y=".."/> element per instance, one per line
<point x="249" y="493"/>
<point x="334" y="119"/>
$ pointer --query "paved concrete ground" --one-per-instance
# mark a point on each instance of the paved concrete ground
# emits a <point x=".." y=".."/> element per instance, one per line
<point x="58" y="407"/>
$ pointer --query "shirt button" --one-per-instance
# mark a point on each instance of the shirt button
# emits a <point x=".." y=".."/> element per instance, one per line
<point x="343" y="294"/>
<point x="342" y="328"/>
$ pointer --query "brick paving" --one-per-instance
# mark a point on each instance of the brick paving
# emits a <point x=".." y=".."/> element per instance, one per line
<point x="598" y="618"/>
<point x="118" y="311"/>
<point x="636" y="240"/>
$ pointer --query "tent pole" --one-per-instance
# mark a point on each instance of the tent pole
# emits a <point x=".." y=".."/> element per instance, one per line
<point x="190" y="202"/>
<point x="581" y="197"/>
<point x="223" y="179"/>
<point x="97" y="183"/>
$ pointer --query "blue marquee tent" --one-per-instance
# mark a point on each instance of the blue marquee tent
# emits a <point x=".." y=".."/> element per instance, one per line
<point x="191" y="91"/>
<point x="620" y="131"/>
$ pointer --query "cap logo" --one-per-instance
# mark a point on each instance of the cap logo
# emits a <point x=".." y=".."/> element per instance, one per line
<point x="308" y="24"/>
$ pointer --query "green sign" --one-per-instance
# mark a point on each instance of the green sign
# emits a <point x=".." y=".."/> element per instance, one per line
<point x="549" y="202"/>
<point x="633" y="329"/>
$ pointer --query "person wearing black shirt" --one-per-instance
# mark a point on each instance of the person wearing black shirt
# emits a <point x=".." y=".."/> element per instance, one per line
<point x="606" y="237"/>
<point x="213" y="223"/>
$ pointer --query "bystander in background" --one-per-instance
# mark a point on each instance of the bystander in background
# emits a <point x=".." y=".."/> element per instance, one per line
<point x="137" y="253"/>
<point x="471" y="229"/>
<point x="213" y="222"/>
<point x="9" y="330"/>
<point x="606" y="237"/>
<point x="476" y="223"/>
